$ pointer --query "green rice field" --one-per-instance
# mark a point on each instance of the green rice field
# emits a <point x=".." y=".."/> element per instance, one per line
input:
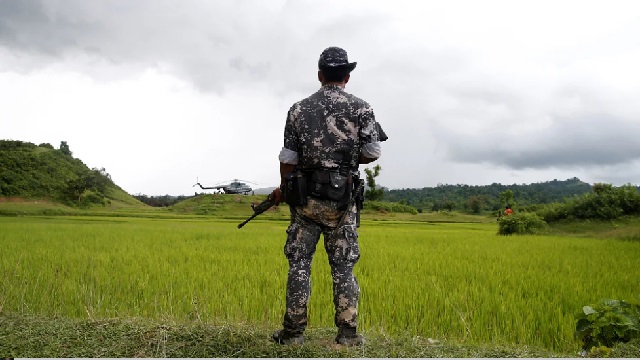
<point x="457" y="283"/>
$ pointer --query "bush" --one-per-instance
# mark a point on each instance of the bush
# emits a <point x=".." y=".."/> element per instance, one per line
<point x="554" y="212"/>
<point x="608" y="323"/>
<point x="629" y="199"/>
<point x="520" y="224"/>
<point x="604" y="203"/>
<point x="89" y="198"/>
<point x="391" y="207"/>
<point x="603" y="206"/>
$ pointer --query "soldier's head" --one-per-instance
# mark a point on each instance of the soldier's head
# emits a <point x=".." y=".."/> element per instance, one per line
<point x="334" y="66"/>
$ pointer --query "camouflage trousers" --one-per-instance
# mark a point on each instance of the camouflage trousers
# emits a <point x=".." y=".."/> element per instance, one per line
<point x="341" y="244"/>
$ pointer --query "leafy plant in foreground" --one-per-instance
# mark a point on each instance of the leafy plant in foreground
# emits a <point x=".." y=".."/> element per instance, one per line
<point x="608" y="323"/>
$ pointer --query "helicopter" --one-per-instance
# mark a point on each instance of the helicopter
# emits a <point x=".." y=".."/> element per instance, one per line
<point x="235" y="186"/>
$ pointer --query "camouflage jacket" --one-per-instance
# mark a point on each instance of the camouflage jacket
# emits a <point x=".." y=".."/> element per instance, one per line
<point x="328" y="128"/>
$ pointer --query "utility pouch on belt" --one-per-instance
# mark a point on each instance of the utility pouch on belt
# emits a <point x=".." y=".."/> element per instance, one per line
<point x="330" y="185"/>
<point x="295" y="189"/>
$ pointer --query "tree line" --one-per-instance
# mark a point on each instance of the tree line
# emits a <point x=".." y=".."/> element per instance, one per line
<point x="484" y="198"/>
<point x="162" y="200"/>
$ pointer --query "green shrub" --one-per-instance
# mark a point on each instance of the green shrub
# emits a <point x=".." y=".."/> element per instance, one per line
<point x="608" y="323"/>
<point x="555" y="211"/>
<point x="391" y="207"/>
<point x="605" y="202"/>
<point x="520" y="224"/>
<point x="89" y="198"/>
<point x="629" y="199"/>
<point x="603" y="206"/>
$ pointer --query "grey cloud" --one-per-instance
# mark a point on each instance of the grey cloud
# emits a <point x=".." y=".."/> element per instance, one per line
<point x="575" y="142"/>
<point x="211" y="45"/>
<point x="28" y="26"/>
<point x="617" y="174"/>
<point x="256" y="70"/>
<point x="445" y="95"/>
<point x="204" y="45"/>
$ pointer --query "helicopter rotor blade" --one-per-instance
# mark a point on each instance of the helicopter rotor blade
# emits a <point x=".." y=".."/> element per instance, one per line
<point x="245" y="181"/>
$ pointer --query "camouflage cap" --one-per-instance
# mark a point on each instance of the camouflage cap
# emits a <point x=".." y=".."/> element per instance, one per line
<point x="334" y="57"/>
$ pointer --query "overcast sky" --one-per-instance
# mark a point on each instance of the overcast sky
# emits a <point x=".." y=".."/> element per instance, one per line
<point x="161" y="93"/>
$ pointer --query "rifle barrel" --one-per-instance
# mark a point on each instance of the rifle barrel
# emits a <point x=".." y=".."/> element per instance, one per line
<point x="246" y="221"/>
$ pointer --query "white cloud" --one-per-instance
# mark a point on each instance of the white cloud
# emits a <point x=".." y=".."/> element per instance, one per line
<point x="468" y="92"/>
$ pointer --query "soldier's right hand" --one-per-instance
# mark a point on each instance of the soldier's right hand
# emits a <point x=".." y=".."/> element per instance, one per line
<point x="276" y="196"/>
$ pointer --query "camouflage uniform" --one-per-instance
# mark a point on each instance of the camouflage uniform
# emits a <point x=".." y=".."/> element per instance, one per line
<point x="327" y="131"/>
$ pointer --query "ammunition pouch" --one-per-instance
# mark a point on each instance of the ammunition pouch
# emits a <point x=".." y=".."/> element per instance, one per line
<point x="330" y="185"/>
<point x="295" y="189"/>
<point x="321" y="184"/>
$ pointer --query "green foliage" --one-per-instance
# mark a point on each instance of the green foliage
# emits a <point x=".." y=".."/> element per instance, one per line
<point x="507" y="199"/>
<point x="41" y="172"/>
<point x="89" y="188"/>
<point x="605" y="202"/>
<point x="456" y="197"/>
<point x="390" y="207"/>
<point x="162" y="200"/>
<point x="373" y="193"/>
<point x="553" y="212"/>
<point x="64" y="148"/>
<point x="476" y="203"/>
<point x="607" y="323"/>
<point x="89" y="197"/>
<point x="520" y="224"/>
<point x="630" y="349"/>
<point x="448" y="205"/>
<point x="15" y="145"/>
<point x="599" y="352"/>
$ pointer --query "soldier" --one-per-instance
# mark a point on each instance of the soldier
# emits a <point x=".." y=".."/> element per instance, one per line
<point x="326" y="137"/>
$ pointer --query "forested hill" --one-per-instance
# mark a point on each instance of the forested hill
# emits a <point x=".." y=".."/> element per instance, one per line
<point x="42" y="172"/>
<point x="462" y="197"/>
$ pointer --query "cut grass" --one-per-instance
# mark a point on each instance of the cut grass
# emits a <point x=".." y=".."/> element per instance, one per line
<point x="41" y="337"/>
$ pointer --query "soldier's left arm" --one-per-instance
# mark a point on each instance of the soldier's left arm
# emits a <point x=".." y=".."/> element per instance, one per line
<point x="371" y="135"/>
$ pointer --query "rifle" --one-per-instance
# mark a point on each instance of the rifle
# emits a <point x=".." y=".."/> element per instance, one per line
<point x="259" y="209"/>
<point x="357" y="198"/>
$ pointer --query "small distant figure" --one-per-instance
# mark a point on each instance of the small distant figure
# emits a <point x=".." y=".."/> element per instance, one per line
<point x="508" y="211"/>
